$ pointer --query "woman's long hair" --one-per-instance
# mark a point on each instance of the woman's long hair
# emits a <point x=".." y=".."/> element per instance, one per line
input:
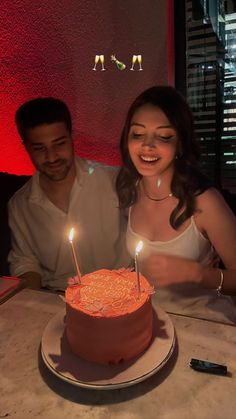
<point x="188" y="181"/>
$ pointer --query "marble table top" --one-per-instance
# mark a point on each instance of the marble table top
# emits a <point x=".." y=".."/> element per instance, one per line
<point x="194" y="301"/>
<point x="28" y="389"/>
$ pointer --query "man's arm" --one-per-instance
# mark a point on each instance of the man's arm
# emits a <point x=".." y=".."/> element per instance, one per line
<point x="31" y="280"/>
<point x="22" y="260"/>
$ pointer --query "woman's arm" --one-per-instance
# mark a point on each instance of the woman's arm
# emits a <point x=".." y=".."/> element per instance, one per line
<point x="163" y="270"/>
<point x="218" y="223"/>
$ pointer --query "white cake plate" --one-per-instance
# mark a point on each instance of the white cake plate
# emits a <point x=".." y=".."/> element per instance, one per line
<point x="64" y="364"/>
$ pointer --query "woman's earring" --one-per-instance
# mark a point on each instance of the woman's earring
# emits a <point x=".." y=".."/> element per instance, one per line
<point x="158" y="183"/>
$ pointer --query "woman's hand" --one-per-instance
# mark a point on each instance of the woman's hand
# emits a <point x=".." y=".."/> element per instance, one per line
<point x="162" y="270"/>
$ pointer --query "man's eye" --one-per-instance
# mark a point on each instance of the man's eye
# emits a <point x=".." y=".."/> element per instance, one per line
<point x="38" y="148"/>
<point x="61" y="143"/>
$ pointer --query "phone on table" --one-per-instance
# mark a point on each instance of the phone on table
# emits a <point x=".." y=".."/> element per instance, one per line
<point x="207" y="366"/>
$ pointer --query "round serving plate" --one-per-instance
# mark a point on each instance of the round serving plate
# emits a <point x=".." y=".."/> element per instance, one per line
<point x="64" y="364"/>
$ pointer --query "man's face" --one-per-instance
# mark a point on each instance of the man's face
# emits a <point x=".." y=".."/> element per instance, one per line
<point x="50" y="148"/>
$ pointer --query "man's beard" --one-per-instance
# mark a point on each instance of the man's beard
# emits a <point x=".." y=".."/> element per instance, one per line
<point x="57" y="175"/>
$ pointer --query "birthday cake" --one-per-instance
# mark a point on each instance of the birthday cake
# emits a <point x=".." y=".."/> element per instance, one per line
<point x="107" y="319"/>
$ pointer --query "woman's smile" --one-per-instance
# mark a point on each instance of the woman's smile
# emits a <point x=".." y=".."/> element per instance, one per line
<point x="149" y="159"/>
<point x="152" y="141"/>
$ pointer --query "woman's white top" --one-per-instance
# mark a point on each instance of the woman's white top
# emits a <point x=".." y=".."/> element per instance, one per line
<point x="190" y="244"/>
<point x="188" y="299"/>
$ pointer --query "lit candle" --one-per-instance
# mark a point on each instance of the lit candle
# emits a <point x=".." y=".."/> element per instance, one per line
<point x="71" y="236"/>
<point x="137" y="250"/>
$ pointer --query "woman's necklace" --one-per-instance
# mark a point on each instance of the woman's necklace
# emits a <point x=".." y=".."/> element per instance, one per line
<point x="156" y="199"/>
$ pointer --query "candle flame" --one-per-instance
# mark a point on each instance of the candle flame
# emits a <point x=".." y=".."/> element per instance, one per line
<point x="139" y="247"/>
<point x="71" y="234"/>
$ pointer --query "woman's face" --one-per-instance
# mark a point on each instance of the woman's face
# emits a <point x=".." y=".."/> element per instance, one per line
<point x="152" y="141"/>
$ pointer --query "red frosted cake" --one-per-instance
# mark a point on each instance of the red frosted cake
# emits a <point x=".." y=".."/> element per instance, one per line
<point x="107" y="320"/>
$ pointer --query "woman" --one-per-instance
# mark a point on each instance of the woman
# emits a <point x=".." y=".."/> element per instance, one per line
<point x="181" y="219"/>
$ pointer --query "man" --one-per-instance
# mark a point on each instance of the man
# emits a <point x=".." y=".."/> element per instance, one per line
<point x="64" y="192"/>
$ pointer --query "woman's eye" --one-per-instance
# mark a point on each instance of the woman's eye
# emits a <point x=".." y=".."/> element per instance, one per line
<point x="166" y="139"/>
<point x="137" y="136"/>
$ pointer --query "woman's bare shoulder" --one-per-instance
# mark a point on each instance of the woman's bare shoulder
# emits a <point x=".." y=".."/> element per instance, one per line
<point x="212" y="202"/>
<point x="211" y="198"/>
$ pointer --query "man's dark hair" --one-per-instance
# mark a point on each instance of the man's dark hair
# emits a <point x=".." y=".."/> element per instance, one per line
<point x="39" y="111"/>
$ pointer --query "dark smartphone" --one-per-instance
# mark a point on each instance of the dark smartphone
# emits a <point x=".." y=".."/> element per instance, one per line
<point x="206" y="366"/>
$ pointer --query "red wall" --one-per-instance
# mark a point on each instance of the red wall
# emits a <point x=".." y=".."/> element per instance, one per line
<point x="47" y="48"/>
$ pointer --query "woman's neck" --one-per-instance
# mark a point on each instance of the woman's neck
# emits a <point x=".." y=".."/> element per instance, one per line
<point x="156" y="187"/>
